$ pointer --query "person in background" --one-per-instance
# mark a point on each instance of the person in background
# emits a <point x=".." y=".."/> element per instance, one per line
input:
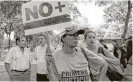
<point x="128" y="71"/>
<point x="91" y="43"/>
<point x="120" y="52"/>
<point x="56" y="42"/>
<point x="129" y="48"/>
<point x="40" y="52"/>
<point x="18" y="61"/>
<point x="117" y="50"/>
<point x="70" y="61"/>
<point x="103" y="43"/>
<point x="17" y="40"/>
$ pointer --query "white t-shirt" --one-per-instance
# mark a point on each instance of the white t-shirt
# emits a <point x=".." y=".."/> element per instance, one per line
<point x="75" y="68"/>
<point x="18" y="60"/>
<point x="41" y="61"/>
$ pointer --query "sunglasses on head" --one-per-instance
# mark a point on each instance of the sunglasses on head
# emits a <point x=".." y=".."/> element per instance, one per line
<point x="72" y="34"/>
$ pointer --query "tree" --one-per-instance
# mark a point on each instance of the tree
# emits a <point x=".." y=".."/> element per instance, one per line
<point x="73" y="8"/>
<point x="10" y="16"/>
<point x="1" y="38"/>
<point x="118" y="13"/>
<point x="127" y="19"/>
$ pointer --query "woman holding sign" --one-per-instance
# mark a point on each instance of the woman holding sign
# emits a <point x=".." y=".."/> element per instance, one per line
<point x="69" y="62"/>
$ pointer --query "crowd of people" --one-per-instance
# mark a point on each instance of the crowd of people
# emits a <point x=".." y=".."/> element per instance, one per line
<point x="88" y="61"/>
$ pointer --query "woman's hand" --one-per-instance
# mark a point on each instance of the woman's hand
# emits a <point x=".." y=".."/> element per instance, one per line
<point x="52" y="71"/>
<point x="49" y="58"/>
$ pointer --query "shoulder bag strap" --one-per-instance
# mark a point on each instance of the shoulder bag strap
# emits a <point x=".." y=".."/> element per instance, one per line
<point x="85" y="55"/>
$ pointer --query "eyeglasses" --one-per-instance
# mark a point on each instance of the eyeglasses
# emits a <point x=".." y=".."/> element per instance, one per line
<point x="73" y="36"/>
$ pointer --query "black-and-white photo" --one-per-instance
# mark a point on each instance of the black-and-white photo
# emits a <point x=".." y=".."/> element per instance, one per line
<point x="66" y="40"/>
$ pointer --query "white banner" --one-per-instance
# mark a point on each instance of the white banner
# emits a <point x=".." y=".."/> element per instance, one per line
<point x="40" y="16"/>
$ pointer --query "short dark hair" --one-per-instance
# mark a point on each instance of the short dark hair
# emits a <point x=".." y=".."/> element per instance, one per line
<point x="17" y="39"/>
<point x="101" y="40"/>
<point x="63" y="37"/>
<point x="42" y="35"/>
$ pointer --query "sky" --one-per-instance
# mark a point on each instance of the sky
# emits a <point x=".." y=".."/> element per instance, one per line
<point x="93" y="13"/>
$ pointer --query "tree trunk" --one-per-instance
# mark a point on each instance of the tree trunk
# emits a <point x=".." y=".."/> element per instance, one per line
<point x="9" y="41"/>
<point x="9" y="36"/>
<point x="127" y="19"/>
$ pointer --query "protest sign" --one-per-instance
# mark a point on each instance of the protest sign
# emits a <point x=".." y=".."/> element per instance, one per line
<point x="44" y="16"/>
